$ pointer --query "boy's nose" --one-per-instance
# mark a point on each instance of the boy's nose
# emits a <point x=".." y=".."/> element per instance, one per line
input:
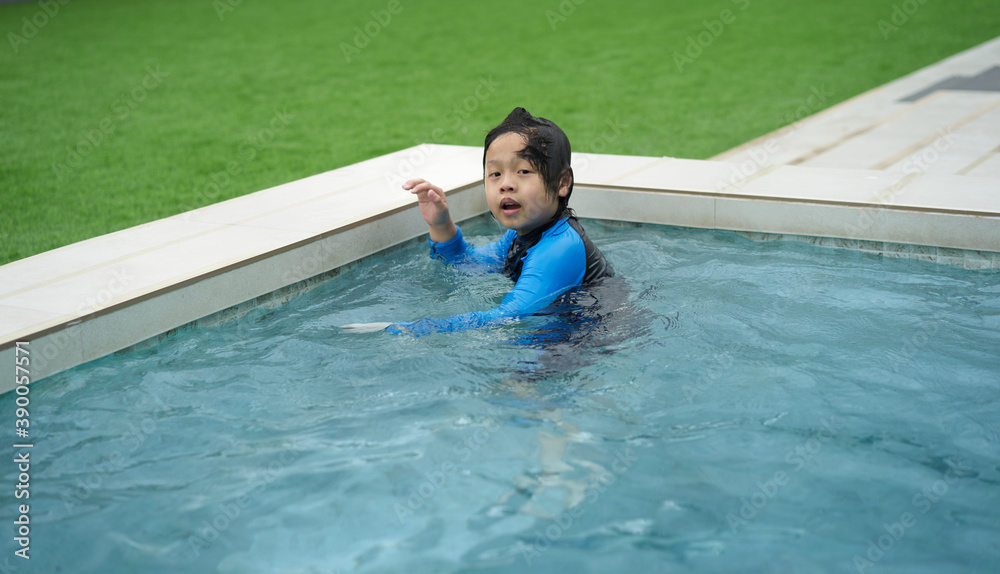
<point x="507" y="183"/>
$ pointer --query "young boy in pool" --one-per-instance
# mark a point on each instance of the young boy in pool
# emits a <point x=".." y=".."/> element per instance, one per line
<point x="546" y="252"/>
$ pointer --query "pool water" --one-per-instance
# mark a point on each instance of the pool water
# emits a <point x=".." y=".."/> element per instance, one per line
<point x="756" y="406"/>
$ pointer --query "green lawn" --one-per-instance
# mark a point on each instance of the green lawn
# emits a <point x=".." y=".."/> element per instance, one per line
<point x="118" y="112"/>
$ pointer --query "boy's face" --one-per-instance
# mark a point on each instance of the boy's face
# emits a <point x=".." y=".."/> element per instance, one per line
<point x="514" y="190"/>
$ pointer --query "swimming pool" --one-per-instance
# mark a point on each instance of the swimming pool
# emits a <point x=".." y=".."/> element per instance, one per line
<point x="781" y="407"/>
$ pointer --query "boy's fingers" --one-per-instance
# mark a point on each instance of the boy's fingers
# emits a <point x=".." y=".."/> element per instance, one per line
<point x="421" y="188"/>
<point x="428" y="191"/>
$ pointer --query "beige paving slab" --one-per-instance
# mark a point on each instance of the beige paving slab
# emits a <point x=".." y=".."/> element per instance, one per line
<point x="680" y="174"/>
<point x="14" y="319"/>
<point x="858" y="115"/>
<point x="925" y="121"/>
<point x="987" y="167"/>
<point x="377" y="181"/>
<point x="600" y="169"/>
<point x="951" y="193"/>
<point x="68" y="260"/>
<point x="954" y="153"/>
<point x="175" y="262"/>
<point x="849" y="186"/>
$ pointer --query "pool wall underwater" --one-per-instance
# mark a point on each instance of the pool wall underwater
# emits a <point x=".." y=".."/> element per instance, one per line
<point x="910" y="169"/>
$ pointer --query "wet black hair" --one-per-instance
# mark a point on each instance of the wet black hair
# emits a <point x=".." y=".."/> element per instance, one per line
<point x="546" y="149"/>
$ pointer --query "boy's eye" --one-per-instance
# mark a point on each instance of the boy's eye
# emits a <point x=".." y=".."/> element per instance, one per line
<point x="495" y="174"/>
<point x="524" y="171"/>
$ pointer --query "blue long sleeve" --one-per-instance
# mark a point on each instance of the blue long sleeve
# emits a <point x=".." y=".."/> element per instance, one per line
<point x="457" y="251"/>
<point x="551" y="267"/>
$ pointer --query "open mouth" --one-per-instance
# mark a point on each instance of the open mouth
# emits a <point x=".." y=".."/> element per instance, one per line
<point x="509" y="206"/>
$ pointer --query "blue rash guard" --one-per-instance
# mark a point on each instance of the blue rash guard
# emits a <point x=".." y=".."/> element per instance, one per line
<point x="544" y="264"/>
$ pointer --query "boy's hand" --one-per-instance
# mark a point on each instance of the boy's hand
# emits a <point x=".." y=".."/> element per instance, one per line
<point x="434" y="208"/>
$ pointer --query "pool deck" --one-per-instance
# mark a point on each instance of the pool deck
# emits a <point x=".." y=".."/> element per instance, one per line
<point x="910" y="169"/>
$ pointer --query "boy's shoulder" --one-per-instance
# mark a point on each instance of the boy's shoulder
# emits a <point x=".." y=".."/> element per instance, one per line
<point x="566" y="229"/>
<point x="560" y="238"/>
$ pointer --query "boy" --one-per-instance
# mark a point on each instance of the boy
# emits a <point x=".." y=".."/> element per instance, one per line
<point x="546" y="252"/>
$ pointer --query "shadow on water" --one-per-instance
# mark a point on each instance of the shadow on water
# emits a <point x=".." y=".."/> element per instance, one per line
<point x="578" y="425"/>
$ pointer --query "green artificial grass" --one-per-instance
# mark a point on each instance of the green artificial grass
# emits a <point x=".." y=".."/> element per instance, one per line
<point x="87" y="148"/>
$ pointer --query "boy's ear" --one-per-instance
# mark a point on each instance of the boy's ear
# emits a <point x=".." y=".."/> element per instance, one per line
<point x="565" y="183"/>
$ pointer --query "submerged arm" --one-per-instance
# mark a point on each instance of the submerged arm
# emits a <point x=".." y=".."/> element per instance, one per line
<point x="546" y="275"/>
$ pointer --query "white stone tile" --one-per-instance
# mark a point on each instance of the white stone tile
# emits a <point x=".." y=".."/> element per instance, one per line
<point x="951" y="153"/>
<point x="810" y="135"/>
<point x="17" y="320"/>
<point x="951" y="193"/>
<point x="925" y="120"/>
<point x="989" y="168"/>
<point x="598" y="169"/>
<point x="90" y="290"/>
<point x="820" y="184"/>
<point x="682" y="175"/>
<point x="68" y="260"/>
<point x="374" y="181"/>
<point x="240" y="209"/>
<point x="447" y="167"/>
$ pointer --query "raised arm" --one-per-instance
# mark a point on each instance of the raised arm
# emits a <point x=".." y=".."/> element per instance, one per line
<point x="434" y="209"/>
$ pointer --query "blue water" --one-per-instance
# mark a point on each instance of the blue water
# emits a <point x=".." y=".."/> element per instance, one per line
<point x="754" y="407"/>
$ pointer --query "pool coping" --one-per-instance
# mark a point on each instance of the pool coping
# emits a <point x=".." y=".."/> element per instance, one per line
<point x="89" y="299"/>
